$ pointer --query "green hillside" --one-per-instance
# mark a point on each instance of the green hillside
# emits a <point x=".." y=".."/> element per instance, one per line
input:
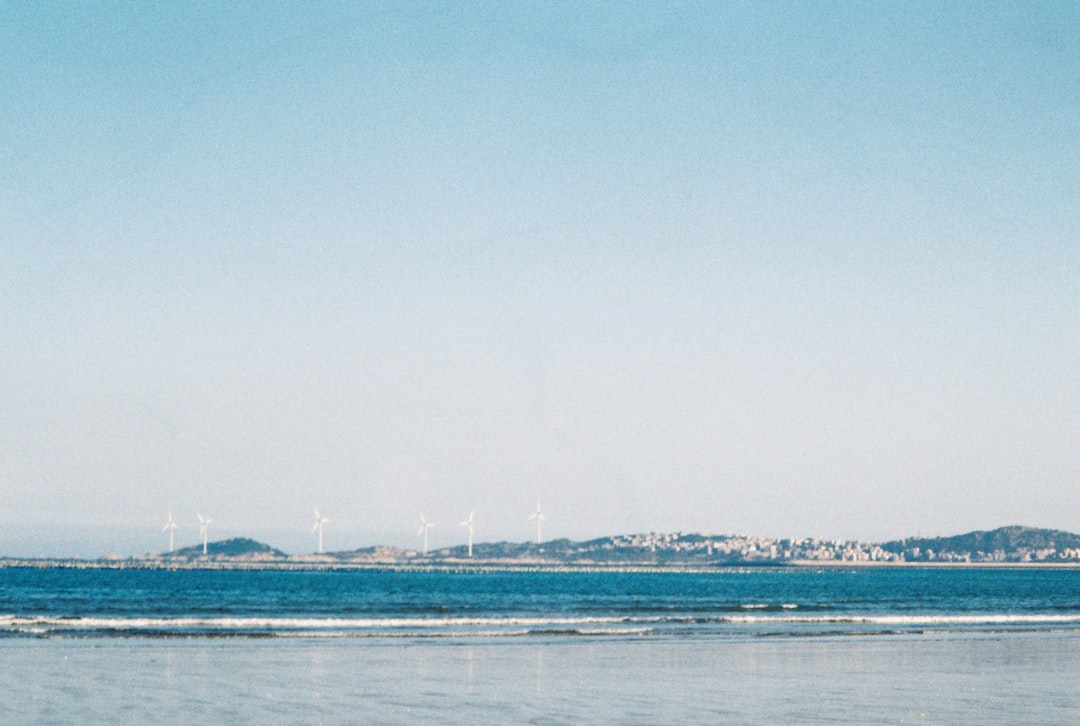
<point x="237" y="547"/>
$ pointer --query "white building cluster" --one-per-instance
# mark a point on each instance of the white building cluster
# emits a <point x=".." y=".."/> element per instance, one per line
<point x="724" y="547"/>
<point x="763" y="549"/>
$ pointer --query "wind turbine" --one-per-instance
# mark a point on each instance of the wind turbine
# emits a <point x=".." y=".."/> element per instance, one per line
<point x="539" y="517"/>
<point x="468" y="523"/>
<point x="319" y="521"/>
<point x="424" y="527"/>
<point x="170" y="527"/>
<point x="204" y="525"/>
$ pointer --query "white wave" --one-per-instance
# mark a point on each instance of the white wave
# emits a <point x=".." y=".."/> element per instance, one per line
<point x="273" y="624"/>
<point x="503" y="626"/>
<point x="958" y="619"/>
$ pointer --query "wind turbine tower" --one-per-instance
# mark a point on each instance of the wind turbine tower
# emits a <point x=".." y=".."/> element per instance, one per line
<point x="204" y="526"/>
<point x="539" y="517"/>
<point x="170" y="527"/>
<point x="424" y="527"/>
<point x="319" y="522"/>
<point x="469" y="523"/>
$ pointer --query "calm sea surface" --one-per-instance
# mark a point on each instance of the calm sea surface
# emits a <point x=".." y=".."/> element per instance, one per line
<point x="755" y="646"/>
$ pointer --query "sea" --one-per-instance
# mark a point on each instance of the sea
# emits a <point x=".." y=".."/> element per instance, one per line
<point x="947" y="645"/>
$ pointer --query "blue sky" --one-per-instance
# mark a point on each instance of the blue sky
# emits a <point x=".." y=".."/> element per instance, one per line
<point x="768" y="268"/>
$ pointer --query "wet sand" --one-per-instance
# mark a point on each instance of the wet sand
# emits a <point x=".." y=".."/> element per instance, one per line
<point x="933" y="678"/>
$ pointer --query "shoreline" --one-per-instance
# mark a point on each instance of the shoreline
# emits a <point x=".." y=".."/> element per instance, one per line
<point x="240" y="564"/>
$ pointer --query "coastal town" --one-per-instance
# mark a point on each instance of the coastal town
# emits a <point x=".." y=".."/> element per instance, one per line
<point x="1005" y="545"/>
<point x="1008" y="544"/>
<point x="817" y="550"/>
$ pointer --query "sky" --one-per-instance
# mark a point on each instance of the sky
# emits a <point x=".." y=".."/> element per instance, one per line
<point x="779" y="269"/>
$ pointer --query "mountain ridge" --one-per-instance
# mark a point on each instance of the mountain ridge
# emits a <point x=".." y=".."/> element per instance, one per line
<point x="1012" y="543"/>
<point x="1001" y="541"/>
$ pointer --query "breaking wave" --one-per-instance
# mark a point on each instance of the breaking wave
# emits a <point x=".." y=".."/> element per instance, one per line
<point x="552" y="627"/>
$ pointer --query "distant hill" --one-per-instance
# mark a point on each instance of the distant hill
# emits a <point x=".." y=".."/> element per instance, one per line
<point x="642" y="549"/>
<point x="1005" y="544"/>
<point x="235" y="548"/>
<point x="1013" y="543"/>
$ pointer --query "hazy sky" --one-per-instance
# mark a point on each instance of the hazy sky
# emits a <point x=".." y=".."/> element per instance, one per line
<point x="789" y="269"/>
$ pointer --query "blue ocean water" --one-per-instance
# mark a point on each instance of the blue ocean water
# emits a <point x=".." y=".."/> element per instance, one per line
<point x="758" y="646"/>
<point x="66" y="602"/>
